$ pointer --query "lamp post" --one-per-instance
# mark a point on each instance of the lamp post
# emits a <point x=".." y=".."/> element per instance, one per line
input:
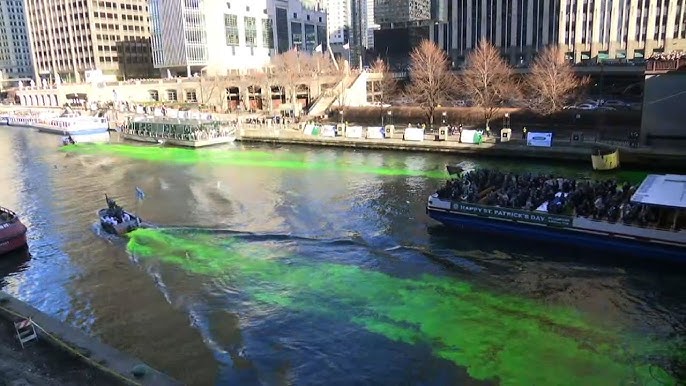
<point x="445" y="114"/>
<point x="390" y="117"/>
<point x="506" y="121"/>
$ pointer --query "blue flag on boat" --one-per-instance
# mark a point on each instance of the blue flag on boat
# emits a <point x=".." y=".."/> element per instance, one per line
<point x="140" y="194"/>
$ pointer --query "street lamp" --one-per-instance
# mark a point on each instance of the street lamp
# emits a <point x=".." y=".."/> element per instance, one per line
<point x="445" y="114"/>
<point x="390" y="117"/>
<point x="506" y="121"/>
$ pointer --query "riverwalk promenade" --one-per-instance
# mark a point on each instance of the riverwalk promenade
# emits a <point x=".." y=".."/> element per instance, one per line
<point x="562" y="149"/>
<point x="63" y="355"/>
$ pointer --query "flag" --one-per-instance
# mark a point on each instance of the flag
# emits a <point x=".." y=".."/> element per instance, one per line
<point x="346" y="46"/>
<point x="140" y="194"/>
<point x="318" y="48"/>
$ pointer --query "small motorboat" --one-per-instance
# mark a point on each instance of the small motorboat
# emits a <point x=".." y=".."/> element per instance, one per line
<point x="68" y="140"/>
<point x="12" y="232"/>
<point x="117" y="221"/>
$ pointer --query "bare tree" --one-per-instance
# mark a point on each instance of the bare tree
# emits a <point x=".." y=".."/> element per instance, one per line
<point x="431" y="80"/>
<point x="552" y="81"/>
<point x="487" y="80"/>
<point x="211" y="88"/>
<point x="290" y="68"/>
<point x="385" y="86"/>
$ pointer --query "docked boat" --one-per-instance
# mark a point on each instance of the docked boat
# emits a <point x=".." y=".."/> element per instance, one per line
<point x="82" y="129"/>
<point x="12" y="231"/>
<point x="604" y="159"/>
<point x="179" y="132"/>
<point x="117" y="221"/>
<point x="648" y="220"/>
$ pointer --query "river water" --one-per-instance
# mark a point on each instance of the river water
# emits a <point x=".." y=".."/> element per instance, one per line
<point x="293" y="265"/>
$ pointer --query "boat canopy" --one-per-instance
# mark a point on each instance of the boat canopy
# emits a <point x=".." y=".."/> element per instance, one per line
<point x="173" y="125"/>
<point x="667" y="190"/>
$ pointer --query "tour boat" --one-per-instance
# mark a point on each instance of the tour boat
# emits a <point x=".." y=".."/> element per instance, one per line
<point x="12" y="231"/>
<point x="179" y="132"/>
<point x="117" y="221"/>
<point x="82" y="129"/>
<point x="649" y="220"/>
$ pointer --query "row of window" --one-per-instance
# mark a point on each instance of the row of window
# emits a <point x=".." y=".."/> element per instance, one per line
<point x="232" y="32"/>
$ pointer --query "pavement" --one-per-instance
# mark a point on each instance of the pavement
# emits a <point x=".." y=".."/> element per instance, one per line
<point x="563" y="149"/>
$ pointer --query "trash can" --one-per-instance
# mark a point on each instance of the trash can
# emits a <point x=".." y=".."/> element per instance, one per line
<point x="442" y="133"/>
<point x="505" y="135"/>
<point x="340" y="130"/>
<point x="389" y="131"/>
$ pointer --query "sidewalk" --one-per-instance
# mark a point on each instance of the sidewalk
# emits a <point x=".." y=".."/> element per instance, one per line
<point x="562" y="150"/>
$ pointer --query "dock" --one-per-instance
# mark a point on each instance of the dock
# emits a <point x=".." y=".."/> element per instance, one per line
<point x="561" y="150"/>
<point x="122" y="368"/>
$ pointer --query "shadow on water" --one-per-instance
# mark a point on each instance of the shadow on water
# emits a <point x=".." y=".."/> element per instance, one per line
<point x="13" y="263"/>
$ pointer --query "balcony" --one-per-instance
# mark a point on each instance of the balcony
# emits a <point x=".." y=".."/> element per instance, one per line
<point x="663" y="63"/>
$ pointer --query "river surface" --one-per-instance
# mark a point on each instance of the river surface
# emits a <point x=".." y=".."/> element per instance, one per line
<point x="294" y="265"/>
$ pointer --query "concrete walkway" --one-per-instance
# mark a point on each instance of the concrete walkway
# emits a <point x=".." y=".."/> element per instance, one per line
<point x="111" y="363"/>
<point x="560" y="151"/>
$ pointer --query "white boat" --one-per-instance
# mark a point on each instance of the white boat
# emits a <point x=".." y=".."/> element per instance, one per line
<point x="192" y="133"/>
<point x="82" y="129"/>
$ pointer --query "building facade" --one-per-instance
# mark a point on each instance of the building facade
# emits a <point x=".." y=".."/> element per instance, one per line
<point x="70" y="38"/>
<point x="590" y="31"/>
<point x="338" y="21"/>
<point x="368" y="24"/>
<point x="216" y="37"/>
<point x="15" y="51"/>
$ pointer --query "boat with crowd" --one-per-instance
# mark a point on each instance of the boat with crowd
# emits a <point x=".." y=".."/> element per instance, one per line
<point x="645" y="220"/>
<point x="12" y="231"/>
<point x="184" y="132"/>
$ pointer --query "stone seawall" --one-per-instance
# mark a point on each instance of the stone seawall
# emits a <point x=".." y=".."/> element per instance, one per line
<point x="96" y="356"/>
<point x="564" y="151"/>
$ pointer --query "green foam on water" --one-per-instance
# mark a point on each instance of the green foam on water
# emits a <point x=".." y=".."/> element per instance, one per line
<point x="495" y="337"/>
<point x="249" y="158"/>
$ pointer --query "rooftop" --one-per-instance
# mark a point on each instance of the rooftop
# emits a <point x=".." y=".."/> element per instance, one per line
<point x="662" y="190"/>
<point x="175" y="121"/>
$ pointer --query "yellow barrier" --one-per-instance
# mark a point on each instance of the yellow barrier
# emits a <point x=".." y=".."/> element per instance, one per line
<point x="607" y="161"/>
<point x="76" y="352"/>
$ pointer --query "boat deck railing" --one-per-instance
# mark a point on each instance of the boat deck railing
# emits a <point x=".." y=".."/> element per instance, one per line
<point x="198" y="135"/>
<point x="13" y="216"/>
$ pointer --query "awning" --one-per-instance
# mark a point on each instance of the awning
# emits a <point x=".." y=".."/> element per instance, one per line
<point x="663" y="190"/>
<point x="81" y="96"/>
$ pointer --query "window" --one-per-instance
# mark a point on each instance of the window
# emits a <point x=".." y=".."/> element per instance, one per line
<point x="191" y="97"/>
<point x="250" y="31"/>
<point x="231" y="29"/>
<point x="267" y="34"/>
<point x="171" y="95"/>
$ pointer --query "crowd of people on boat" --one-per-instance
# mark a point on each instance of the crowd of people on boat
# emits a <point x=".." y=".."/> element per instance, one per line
<point x="115" y="214"/>
<point x="198" y="133"/>
<point x="606" y="200"/>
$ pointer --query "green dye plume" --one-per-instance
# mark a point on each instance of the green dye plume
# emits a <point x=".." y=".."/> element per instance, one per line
<point x="495" y="337"/>
<point x="245" y="157"/>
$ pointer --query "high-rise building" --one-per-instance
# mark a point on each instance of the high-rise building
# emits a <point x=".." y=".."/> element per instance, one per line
<point x="15" y="51"/>
<point x="589" y="30"/>
<point x="338" y="21"/>
<point x="74" y="39"/>
<point x="368" y="24"/>
<point x="215" y="37"/>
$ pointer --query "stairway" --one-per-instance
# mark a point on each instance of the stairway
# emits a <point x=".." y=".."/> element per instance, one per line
<point x="331" y="96"/>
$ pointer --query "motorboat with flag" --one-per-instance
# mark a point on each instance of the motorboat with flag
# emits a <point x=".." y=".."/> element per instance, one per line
<point x="645" y="220"/>
<point x="12" y="232"/>
<point x="115" y="220"/>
